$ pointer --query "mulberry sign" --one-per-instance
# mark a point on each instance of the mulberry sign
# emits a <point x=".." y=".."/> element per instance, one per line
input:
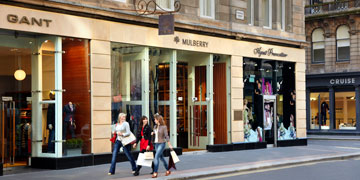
<point x="268" y="52"/>
<point x="191" y="42"/>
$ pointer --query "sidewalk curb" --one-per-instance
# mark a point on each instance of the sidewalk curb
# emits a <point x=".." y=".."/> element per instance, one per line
<point x="256" y="166"/>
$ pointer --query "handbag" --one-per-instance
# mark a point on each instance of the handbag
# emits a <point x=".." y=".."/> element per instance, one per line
<point x="128" y="139"/>
<point x="174" y="156"/>
<point x="142" y="161"/>
<point x="113" y="138"/>
<point x="149" y="155"/>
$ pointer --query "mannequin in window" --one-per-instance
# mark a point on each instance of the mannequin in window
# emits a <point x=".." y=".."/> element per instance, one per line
<point x="257" y="104"/>
<point x="69" y="121"/>
<point x="324" y="109"/>
<point x="51" y="124"/>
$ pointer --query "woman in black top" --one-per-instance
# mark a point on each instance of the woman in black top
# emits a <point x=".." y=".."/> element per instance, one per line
<point x="144" y="136"/>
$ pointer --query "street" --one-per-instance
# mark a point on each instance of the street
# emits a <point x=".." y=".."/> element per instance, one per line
<point x="321" y="159"/>
<point x="329" y="170"/>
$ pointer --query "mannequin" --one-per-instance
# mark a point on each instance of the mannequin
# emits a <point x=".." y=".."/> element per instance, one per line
<point x="69" y="121"/>
<point x="51" y="124"/>
<point x="324" y="108"/>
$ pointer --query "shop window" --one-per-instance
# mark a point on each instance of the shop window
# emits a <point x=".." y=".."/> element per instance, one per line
<point x="127" y="83"/>
<point x="268" y="77"/>
<point x="319" y="110"/>
<point x="76" y="98"/>
<point x="207" y="8"/>
<point x="345" y="111"/>
<point x="318" y="46"/>
<point x="343" y="43"/>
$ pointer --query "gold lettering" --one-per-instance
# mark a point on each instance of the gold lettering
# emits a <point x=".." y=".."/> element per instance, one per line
<point x="47" y="21"/>
<point x="12" y="18"/>
<point x="35" y="21"/>
<point x="25" y="20"/>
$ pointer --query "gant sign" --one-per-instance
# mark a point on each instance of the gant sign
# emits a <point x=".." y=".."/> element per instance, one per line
<point x="32" y="21"/>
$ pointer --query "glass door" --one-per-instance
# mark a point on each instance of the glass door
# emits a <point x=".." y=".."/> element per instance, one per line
<point x="269" y="120"/>
<point x="15" y="98"/>
<point x="319" y="110"/>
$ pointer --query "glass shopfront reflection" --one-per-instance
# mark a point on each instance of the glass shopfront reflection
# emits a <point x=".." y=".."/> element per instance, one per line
<point x="267" y="78"/>
<point x="345" y="111"/>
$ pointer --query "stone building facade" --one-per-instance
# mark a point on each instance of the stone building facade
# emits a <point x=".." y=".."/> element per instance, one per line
<point x="121" y="57"/>
<point x="332" y="69"/>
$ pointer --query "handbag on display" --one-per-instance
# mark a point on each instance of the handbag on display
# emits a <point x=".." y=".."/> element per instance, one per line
<point x="149" y="155"/>
<point x="128" y="139"/>
<point x="174" y="156"/>
<point x="142" y="161"/>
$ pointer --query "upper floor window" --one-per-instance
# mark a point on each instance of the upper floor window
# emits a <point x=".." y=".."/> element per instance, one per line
<point x="318" y="46"/>
<point x="266" y="12"/>
<point x="207" y="8"/>
<point x="273" y="14"/>
<point x="343" y="43"/>
<point x="166" y="4"/>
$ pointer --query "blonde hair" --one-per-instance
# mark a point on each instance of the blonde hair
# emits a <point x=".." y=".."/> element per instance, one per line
<point x="121" y="115"/>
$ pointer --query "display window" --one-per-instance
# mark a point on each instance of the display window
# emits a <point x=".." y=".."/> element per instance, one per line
<point x="345" y="111"/>
<point x="319" y="110"/>
<point x="265" y="80"/>
<point x="41" y="75"/>
<point x="127" y="87"/>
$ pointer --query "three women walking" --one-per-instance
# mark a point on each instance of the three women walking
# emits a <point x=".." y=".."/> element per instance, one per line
<point x="144" y="135"/>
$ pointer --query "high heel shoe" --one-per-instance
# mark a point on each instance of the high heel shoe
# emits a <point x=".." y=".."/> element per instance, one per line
<point x="167" y="173"/>
<point x="154" y="175"/>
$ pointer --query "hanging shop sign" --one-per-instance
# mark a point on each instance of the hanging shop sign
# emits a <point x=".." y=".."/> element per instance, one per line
<point x="268" y="52"/>
<point x="191" y="42"/>
<point x="32" y="21"/>
<point x="166" y="24"/>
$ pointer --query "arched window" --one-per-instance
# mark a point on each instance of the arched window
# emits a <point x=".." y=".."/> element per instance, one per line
<point x="343" y="43"/>
<point x="318" y="46"/>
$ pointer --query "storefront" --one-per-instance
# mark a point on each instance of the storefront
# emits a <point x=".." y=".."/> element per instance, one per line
<point x="197" y="82"/>
<point x="333" y="103"/>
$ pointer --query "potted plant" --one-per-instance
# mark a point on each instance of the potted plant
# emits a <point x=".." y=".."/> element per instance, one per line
<point x="73" y="147"/>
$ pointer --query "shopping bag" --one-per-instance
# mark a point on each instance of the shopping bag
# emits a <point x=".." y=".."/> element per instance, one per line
<point x="149" y="155"/>
<point x="142" y="161"/>
<point x="128" y="139"/>
<point x="174" y="156"/>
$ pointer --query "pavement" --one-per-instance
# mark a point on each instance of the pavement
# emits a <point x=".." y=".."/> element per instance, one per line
<point x="197" y="164"/>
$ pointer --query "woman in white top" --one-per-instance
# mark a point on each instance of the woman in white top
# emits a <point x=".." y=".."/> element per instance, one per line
<point x="122" y="129"/>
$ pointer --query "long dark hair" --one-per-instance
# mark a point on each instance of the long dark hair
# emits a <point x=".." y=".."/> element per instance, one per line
<point x="160" y="119"/>
<point x="141" y="121"/>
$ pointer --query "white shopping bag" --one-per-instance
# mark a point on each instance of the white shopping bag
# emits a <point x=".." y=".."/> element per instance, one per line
<point x="142" y="161"/>
<point x="174" y="156"/>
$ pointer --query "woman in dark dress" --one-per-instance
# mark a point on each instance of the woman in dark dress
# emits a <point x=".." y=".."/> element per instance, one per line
<point x="144" y="136"/>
